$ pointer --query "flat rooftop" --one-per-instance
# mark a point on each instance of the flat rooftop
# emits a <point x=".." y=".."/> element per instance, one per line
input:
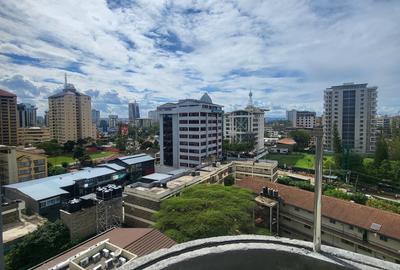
<point x="21" y="228"/>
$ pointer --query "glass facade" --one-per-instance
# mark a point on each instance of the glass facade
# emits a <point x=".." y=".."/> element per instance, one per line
<point x="167" y="140"/>
<point x="348" y="121"/>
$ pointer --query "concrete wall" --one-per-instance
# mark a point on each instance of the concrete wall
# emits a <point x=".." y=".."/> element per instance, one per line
<point x="81" y="224"/>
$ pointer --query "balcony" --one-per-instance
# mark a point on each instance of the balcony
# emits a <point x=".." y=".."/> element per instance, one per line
<point x="254" y="252"/>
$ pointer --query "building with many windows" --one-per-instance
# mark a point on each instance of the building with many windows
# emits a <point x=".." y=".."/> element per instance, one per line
<point x="21" y="164"/>
<point x="245" y="126"/>
<point x="190" y="132"/>
<point x="301" y="119"/>
<point x="351" y="108"/>
<point x="96" y="117"/>
<point x="8" y="118"/>
<point x="113" y="121"/>
<point x="69" y="115"/>
<point x="33" y="135"/>
<point x="347" y="225"/>
<point x="26" y="115"/>
<point x="134" y="112"/>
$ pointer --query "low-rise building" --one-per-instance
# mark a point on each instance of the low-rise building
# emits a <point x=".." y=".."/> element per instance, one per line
<point x="143" y="199"/>
<point x="345" y="224"/>
<point x="33" y="135"/>
<point x="21" y="164"/>
<point x="126" y="243"/>
<point x="283" y="146"/>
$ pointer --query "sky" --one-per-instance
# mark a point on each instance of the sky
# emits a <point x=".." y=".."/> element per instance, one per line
<point x="152" y="51"/>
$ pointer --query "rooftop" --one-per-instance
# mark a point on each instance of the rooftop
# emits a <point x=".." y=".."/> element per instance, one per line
<point x="287" y="141"/>
<point x="51" y="186"/>
<point x="4" y="93"/>
<point x="135" y="159"/>
<point x="138" y="241"/>
<point x="344" y="211"/>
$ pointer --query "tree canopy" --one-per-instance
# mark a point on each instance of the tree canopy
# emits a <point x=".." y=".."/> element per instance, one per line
<point x="301" y="137"/>
<point x="47" y="241"/>
<point x="207" y="211"/>
<point x="337" y="142"/>
<point x="381" y="151"/>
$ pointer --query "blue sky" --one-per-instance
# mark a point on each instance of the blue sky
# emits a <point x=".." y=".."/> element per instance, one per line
<point x="286" y="52"/>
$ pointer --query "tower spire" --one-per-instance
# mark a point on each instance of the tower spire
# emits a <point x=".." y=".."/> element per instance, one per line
<point x="250" y="98"/>
<point x="65" y="80"/>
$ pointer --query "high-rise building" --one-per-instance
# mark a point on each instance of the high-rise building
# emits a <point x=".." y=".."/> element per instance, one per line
<point x="96" y="117"/>
<point x="8" y="118"/>
<point x="351" y="109"/>
<point x="112" y="121"/>
<point x="69" y="114"/>
<point x="46" y="118"/>
<point x="301" y="119"/>
<point x="26" y="115"/>
<point x="190" y="132"/>
<point x="153" y="115"/>
<point x="245" y="126"/>
<point x="133" y="111"/>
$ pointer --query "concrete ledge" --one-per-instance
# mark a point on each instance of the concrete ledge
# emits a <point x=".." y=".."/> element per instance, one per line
<point x="254" y="252"/>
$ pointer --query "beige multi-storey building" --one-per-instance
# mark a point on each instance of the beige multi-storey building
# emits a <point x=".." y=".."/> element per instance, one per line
<point x="347" y="225"/>
<point x="8" y="118"/>
<point x="302" y="119"/>
<point x="21" y="164"/>
<point x="69" y="115"/>
<point x="33" y="135"/>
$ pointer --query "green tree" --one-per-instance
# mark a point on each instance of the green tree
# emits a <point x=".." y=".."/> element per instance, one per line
<point x="64" y="164"/>
<point x="301" y="137"/>
<point x="394" y="148"/>
<point x="382" y="151"/>
<point x="78" y="152"/>
<point x="55" y="170"/>
<point x="337" y="142"/>
<point x="85" y="160"/>
<point x="51" y="148"/>
<point x="48" y="240"/>
<point x="229" y="180"/>
<point x="206" y="211"/>
<point x="69" y="146"/>
<point x="120" y="142"/>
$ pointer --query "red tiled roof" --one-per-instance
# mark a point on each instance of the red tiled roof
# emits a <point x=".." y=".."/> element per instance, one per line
<point x="140" y="241"/>
<point x="5" y="93"/>
<point x="345" y="211"/>
<point x="288" y="141"/>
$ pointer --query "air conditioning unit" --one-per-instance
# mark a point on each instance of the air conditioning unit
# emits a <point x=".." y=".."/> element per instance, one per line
<point x="96" y="257"/>
<point x="106" y="253"/>
<point x="97" y="267"/>
<point x="109" y="263"/>
<point x="84" y="262"/>
<point x="122" y="261"/>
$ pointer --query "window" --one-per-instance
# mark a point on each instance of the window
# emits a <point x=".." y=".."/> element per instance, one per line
<point x="383" y="238"/>
<point x="351" y="227"/>
<point x="307" y="227"/>
<point x="332" y="221"/>
<point x="49" y="202"/>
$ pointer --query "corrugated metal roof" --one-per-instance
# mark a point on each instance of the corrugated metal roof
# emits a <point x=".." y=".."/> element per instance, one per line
<point x="135" y="160"/>
<point x="132" y="156"/>
<point x="113" y="166"/>
<point x="52" y="186"/>
<point x="157" y="176"/>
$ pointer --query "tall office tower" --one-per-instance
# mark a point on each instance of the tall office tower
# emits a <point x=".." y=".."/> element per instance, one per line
<point x="301" y="119"/>
<point x="112" y="121"/>
<point x="190" y="132"/>
<point x="46" y="118"/>
<point x="133" y="111"/>
<point x="8" y="118"/>
<point x="245" y="126"/>
<point x="69" y="115"/>
<point x="351" y="108"/>
<point x="96" y="117"/>
<point x="26" y="115"/>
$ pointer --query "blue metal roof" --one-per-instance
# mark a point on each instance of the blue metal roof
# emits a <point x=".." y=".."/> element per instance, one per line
<point x="113" y="166"/>
<point x="157" y="176"/>
<point x="136" y="159"/>
<point x="48" y="187"/>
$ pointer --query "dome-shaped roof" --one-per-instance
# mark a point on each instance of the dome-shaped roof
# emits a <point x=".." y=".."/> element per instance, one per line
<point x="206" y="98"/>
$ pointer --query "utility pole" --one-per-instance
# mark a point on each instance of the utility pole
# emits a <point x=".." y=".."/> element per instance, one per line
<point x="318" y="133"/>
<point x="2" y="266"/>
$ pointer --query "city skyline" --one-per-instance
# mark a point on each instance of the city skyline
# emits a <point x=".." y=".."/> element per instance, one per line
<point x="157" y="52"/>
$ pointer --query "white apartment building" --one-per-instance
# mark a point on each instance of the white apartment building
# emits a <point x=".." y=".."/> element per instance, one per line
<point x="190" y="132"/>
<point x="352" y="109"/>
<point x="245" y="126"/>
<point x="113" y="121"/>
<point x="302" y="119"/>
<point x="69" y="115"/>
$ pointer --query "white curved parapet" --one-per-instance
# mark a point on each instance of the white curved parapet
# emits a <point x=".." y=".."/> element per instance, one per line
<point x="254" y="252"/>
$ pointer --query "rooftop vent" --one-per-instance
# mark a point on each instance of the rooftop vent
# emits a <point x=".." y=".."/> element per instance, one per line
<point x="375" y="227"/>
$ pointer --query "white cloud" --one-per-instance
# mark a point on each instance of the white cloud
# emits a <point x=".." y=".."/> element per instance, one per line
<point x="290" y="50"/>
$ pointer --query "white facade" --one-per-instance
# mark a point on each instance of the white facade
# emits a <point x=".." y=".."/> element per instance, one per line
<point x="301" y="119"/>
<point x="112" y="121"/>
<point x="190" y="132"/>
<point x="352" y="109"/>
<point x="245" y="126"/>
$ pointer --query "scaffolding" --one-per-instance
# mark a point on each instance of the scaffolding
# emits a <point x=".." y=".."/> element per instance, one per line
<point x="108" y="214"/>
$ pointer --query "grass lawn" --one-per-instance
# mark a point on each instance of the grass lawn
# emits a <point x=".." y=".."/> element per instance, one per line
<point x="301" y="160"/>
<point x="58" y="160"/>
<point x="101" y="154"/>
